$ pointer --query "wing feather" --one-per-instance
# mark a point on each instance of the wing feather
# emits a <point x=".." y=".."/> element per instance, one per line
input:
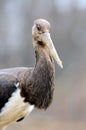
<point x="8" y="84"/>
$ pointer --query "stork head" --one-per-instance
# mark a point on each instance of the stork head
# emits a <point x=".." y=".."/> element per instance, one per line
<point x="41" y="38"/>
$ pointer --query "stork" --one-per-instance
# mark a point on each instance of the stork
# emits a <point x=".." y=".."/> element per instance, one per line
<point x="22" y="88"/>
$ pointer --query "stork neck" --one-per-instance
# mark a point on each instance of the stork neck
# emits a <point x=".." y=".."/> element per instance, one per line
<point x="44" y="61"/>
<point x="43" y="80"/>
<point x="39" y="88"/>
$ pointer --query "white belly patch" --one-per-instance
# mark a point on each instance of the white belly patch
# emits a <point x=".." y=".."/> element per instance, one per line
<point x="14" y="109"/>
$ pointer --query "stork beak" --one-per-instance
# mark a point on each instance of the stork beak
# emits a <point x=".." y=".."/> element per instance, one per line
<point x="47" y="39"/>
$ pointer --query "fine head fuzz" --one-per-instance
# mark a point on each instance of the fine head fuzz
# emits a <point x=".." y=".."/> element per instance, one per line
<point x="41" y="38"/>
<point x="42" y="24"/>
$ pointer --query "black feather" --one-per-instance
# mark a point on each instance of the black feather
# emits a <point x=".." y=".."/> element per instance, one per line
<point x="7" y="87"/>
<point x="20" y="119"/>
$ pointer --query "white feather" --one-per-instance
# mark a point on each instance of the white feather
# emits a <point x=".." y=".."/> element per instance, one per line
<point x="14" y="109"/>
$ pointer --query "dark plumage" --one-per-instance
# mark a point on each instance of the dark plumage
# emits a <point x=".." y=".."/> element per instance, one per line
<point x="7" y="87"/>
<point x="26" y="88"/>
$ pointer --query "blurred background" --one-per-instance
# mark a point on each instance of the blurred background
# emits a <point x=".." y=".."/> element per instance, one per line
<point x="68" y="32"/>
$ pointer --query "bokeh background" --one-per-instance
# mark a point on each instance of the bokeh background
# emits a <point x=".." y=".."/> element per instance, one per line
<point x="68" y="22"/>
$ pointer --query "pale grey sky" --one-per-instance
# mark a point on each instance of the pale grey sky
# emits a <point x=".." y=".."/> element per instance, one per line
<point x="66" y="5"/>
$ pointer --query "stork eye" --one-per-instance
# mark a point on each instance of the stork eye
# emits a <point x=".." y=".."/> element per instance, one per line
<point x="38" y="27"/>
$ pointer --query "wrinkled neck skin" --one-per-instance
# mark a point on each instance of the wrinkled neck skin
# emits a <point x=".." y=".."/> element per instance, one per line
<point x="41" y="83"/>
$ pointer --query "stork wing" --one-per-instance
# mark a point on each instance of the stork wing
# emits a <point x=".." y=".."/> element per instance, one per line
<point x="8" y="84"/>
